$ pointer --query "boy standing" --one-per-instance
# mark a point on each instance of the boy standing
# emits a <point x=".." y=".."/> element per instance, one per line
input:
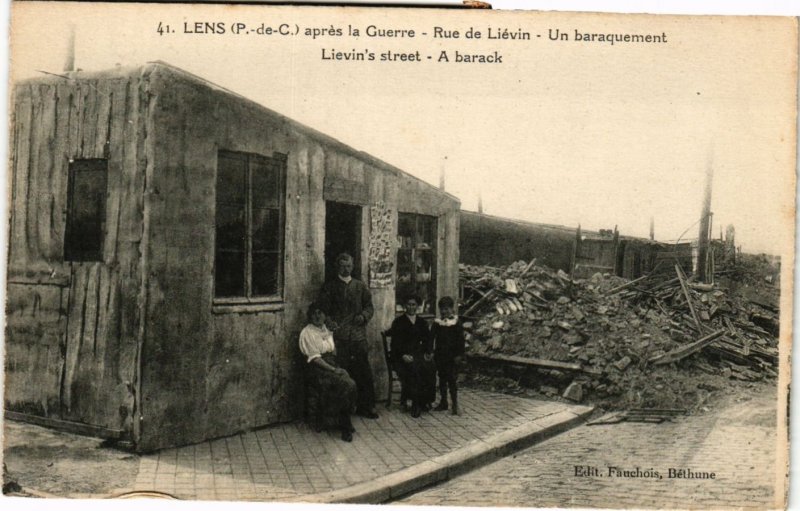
<point x="448" y="339"/>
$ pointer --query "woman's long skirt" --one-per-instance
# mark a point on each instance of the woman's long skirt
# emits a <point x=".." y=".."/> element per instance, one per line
<point x="335" y="395"/>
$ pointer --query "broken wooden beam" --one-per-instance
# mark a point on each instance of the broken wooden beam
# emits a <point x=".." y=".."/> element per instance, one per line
<point x="625" y="285"/>
<point x="535" y="362"/>
<point x="479" y="302"/>
<point x="661" y="308"/>
<point x="753" y="328"/>
<point x="685" y="351"/>
<point x="527" y="268"/>
<point x="728" y="324"/>
<point x="729" y="354"/>
<point x="681" y="278"/>
<point x="664" y="284"/>
<point x="761" y="303"/>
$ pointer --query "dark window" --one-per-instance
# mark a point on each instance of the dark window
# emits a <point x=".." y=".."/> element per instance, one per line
<point x="86" y="210"/>
<point x="249" y="225"/>
<point x="416" y="260"/>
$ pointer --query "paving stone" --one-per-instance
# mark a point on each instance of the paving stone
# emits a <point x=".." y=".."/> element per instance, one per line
<point x="288" y="460"/>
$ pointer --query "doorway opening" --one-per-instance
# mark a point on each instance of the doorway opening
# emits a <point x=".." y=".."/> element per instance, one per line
<point x="342" y="234"/>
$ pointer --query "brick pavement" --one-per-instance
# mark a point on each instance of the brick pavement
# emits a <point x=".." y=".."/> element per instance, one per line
<point x="289" y="461"/>
<point x="738" y="443"/>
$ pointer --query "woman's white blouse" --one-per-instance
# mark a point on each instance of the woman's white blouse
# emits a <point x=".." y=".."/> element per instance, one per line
<point x="314" y="341"/>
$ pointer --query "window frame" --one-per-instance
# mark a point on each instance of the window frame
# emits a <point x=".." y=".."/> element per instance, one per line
<point x="249" y="302"/>
<point x="415" y="249"/>
<point x="71" y="253"/>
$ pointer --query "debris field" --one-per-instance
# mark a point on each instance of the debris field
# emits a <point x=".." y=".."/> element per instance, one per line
<point x="661" y="340"/>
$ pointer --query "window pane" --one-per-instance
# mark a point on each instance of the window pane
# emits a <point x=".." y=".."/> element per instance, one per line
<point x="87" y="210"/>
<point x="423" y="264"/>
<point x="266" y="185"/>
<point x="229" y="274"/>
<point x="229" y="263"/>
<point x="427" y="231"/>
<point x="406" y="224"/>
<point x="416" y="260"/>
<point x="266" y="229"/>
<point x="427" y="294"/>
<point x="265" y="273"/>
<point x="249" y="225"/>
<point x="405" y="265"/>
<point x="231" y="179"/>
<point x="230" y="228"/>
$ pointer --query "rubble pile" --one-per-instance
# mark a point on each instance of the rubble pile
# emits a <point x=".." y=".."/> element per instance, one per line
<point x="659" y="340"/>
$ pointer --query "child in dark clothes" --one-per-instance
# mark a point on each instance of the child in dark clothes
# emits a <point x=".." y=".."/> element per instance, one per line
<point x="411" y="351"/>
<point x="448" y="342"/>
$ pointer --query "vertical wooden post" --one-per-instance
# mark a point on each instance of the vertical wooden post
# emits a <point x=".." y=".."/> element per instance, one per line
<point x="730" y="245"/>
<point x="576" y="249"/>
<point x="69" y="62"/>
<point x="616" y="249"/>
<point x="652" y="228"/>
<point x="441" y="174"/>
<point x="705" y="225"/>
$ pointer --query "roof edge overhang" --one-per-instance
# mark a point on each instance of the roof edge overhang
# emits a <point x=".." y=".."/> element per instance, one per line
<point x="157" y="66"/>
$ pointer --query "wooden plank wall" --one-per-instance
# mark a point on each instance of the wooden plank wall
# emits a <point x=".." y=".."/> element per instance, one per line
<point x="72" y="327"/>
<point x="210" y="370"/>
<point x="494" y="241"/>
<point x="213" y="370"/>
<point x="595" y="255"/>
<point x="34" y="348"/>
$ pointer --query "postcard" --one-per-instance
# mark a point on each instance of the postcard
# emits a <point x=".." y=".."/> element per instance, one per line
<point x="418" y="256"/>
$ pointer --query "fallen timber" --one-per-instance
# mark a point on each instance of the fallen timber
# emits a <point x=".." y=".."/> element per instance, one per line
<point x="682" y="279"/>
<point x="685" y="351"/>
<point x="535" y="362"/>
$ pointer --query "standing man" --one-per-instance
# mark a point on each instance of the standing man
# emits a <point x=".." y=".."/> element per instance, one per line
<point x="348" y="304"/>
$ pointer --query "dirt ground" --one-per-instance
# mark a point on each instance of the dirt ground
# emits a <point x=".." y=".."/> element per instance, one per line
<point x="63" y="464"/>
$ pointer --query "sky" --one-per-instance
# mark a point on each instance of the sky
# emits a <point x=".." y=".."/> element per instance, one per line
<point x="563" y="133"/>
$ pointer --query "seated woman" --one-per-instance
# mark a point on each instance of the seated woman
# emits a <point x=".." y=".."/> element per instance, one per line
<point x="412" y="358"/>
<point x="336" y="389"/>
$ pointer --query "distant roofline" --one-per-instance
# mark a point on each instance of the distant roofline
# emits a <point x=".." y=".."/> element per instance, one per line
<point x="556" y="227"/>
<point x="160" y="64"/>
<point x="563" y="228"/>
